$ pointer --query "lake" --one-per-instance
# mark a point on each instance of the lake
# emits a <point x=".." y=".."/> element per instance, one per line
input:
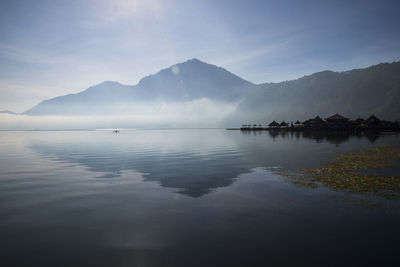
<point x="187" y="197"/>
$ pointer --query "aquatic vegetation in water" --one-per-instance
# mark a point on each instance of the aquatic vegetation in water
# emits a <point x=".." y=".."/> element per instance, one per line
<point x="343" y="173"/>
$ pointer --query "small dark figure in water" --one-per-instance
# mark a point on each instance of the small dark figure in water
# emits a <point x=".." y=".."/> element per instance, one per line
<point x="115" y="131"/>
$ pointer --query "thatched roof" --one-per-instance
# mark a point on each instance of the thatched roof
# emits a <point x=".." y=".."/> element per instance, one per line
<point x="283" y="123"/>
<point x="337" y="117"/>
<point x="297" y="122"/>
<point x="273" y="124"/>
<point x="373" y="119"/>
<point x="318" y="120"/>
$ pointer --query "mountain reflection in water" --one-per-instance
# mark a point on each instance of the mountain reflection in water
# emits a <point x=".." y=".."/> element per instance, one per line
<point x="185" y="198"/>
<point x="196" y="162"/>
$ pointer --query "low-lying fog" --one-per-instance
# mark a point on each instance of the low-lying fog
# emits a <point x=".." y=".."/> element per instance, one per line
<point x="201" y="113"/>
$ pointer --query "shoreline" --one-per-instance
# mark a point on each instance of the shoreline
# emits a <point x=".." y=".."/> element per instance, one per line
<point x="315" y="129"/>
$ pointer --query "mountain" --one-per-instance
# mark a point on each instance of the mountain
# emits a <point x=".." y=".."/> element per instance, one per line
<point x="355" y="93"/>
<point x="7" y="112"/>
<point x="182" y="82"/>
<point x="98" y="99"/>
<point x="192" y="80"/>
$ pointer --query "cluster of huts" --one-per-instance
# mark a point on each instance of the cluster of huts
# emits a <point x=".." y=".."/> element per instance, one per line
<point x="334" y="122"/>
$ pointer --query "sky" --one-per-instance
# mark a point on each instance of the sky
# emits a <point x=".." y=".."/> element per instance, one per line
<point x="52" y="48"/>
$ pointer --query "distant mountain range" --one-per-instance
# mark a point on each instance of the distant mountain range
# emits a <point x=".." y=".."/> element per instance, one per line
<point x="359" y="92"/>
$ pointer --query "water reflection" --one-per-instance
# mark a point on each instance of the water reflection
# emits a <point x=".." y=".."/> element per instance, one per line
<point x="190" y="162"/>
<point x="332" y="137"/>
<point x="79" y="199"/>
<point x="194" y="162"/>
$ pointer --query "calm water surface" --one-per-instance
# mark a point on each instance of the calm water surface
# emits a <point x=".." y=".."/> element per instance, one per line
<point x="185" y="198"/>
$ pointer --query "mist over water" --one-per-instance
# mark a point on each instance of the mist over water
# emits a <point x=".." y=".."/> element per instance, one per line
<point x="201" y="113"/>
<point x="184" y="198"/>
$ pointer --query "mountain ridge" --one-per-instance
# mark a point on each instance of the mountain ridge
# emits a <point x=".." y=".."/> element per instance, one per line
<point x="186" y="81"/>
<point x="8" y="112"/>
<point x="356" y="92"/>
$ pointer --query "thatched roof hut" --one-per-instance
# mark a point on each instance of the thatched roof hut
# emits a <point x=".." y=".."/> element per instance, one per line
<point x="283" y="124"/>
<point x="338" y="122"/>
<point x="336" y="118"/>
<point x="317" y="122"/>
<point x="373" y="120"/>
<point x="273" y="124"/>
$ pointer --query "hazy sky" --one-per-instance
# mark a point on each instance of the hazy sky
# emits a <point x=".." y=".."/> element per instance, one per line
<point x="51" y="48"/>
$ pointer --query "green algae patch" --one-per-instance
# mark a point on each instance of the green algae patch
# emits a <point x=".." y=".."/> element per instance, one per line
<point x="342" y="173"/>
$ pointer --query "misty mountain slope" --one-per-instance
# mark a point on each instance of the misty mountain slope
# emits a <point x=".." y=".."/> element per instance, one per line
<point x="186" y="81"/>
<point x="101" y="97"/>
<point x="359" y="92"/>
<point x="7" y="112"/>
